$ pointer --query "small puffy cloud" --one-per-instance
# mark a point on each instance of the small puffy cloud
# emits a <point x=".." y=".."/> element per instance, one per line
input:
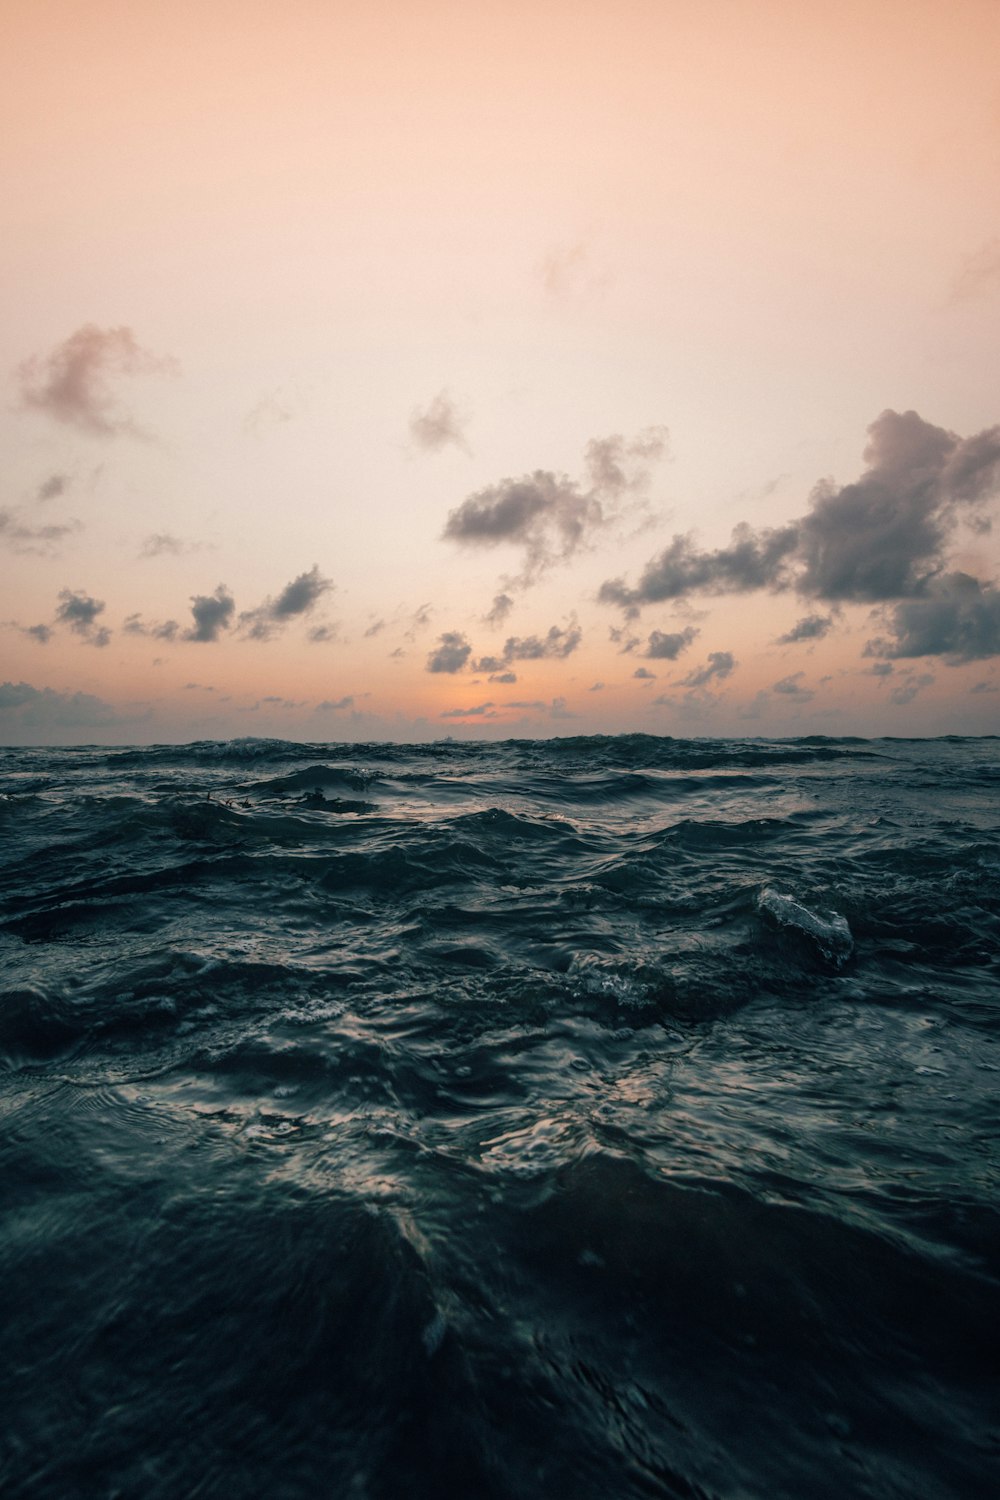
<point x="881" y="538"/>
<point x="667" y="647"/>
<point x="809" y="628"/>
<point x="505" y="677"/>
<point x="984" y="687"/>
<point x="162" y="544"/>
<point x="791" y="687"/>
<point x="21" y="536"/>
<point x="908" y="689"/>
<point x="439" y="424"/>
<point x="163" y="630"/>
<point x="958" y="618"/>
<point x="549" y="516"/>
<point x="644" y="674"/>
<point x="450" y="654"/>
<point x="40" y="633"/>
<point x="297" y="598"/>
<point x="375" y="628"/>
<point x="499" y="610"/>
<point x="597" y="687"/>
<point x="335" y="705"/>
<point x="213" y="613"/>
<point x="53" y="487"/>
<point x="321" y="635"/>
<point x="720" y="665"/>
<point x="79" y="612"/>
<point x="74" y="382"/>
<point x="880" y="669"/>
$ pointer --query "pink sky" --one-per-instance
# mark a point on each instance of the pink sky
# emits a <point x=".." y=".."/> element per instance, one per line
<point x="329" y="324"/>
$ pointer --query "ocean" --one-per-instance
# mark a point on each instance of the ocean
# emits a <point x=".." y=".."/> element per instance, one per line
<point x="599" y="1117"/>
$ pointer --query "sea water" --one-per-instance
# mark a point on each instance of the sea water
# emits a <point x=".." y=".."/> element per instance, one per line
<point x="600" y="1117"/>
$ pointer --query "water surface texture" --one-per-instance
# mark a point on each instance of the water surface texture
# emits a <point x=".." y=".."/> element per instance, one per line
<point x="593" y="1117"/>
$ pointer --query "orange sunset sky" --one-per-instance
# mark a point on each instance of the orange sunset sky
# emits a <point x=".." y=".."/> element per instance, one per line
<point x="398" y="370"/>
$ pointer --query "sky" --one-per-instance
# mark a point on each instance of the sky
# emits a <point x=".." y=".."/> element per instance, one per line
<point x="413" y="368"/>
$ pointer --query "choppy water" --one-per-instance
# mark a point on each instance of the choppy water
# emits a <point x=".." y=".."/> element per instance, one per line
<point x="596" y="1117"/>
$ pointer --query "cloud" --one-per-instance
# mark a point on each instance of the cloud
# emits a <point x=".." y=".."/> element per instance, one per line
<point x="668" y="647"/>
<point x="791" y="687"/>
<point x="720" y="664"/>
<point x="505" y="677"/>
<point x="324" y="634"/>
<point x="72" y="383"/>
<point x="440" y="423"/>
<point x="549" y="517"/>
<point x="753" y="560"/>
<point x="40" y="633"/>
<point x="645" y="674"/>
<point x="499" y="610"/>
<point x="375" y="629"/>
<point x="557" y="643"/>
<point x="161" y="544"/>
<point x="597" y="687"/>
<point x="79" y="612"/>
<point x="165" y="630"/>
<point x="297" y="598"/>
<point x="213" y="613"/>
<point x="980" y="274"/>
<point x="328" y="706"/>
<point x="569" y="271"/>
<point x="450" y="654"/>
<point x="480" y="711"/>
<point x="984" y="687"/>
<point x="958" y="618"/>
<point x="908" y="690"/>
<point x="881" y="538"/>
<point x="23" y="707"/>
<point x="809" y="628"/>
<point x="53" y="487"/>
<point x="880" y="669"/>
<point x="22" y="537"/>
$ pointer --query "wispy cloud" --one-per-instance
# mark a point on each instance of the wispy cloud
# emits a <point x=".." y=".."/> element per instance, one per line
<point x="21" y="536"/>
<point x="980" y="273"/>
<point x="549" y="517"/>
<point x="439" y="424"/>
<point x="74" y="382"/>
<point x="158" y="630"/>
<point x="719" y="666"/>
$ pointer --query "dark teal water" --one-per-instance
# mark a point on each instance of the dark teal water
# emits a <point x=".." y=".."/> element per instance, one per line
<point x="591" y="1117"/>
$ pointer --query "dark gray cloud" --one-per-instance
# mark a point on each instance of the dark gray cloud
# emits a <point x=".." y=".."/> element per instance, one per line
<point x="439" y="424"/>
<point x="720" y="665"/>
<point x="21" y="536"/>
<point x="158" y="630"/>
<point x="958" y="618"/>
<point x="549" y="516"/>
<point x="24" y="709"/>
<point x="791" y="687"/>
<point x="880" y="669"/>
<point x="213" y="613"/>
<point x="79" y="612"/>
<point x="53" y="487"/>
<point x="73" y="383"/>
<point x="753" y="560"/>
<point x="505" y="677"/>
<point x="884" y="537"/>
<point x="557" y="643"/>
<point x="809" y="628"/>
<point x="334" y="706"/>
<point x="644" y="674"/>
<point x="667" y="647"/>
<point x="984" y="687"/>
<point x="297" y="598"/>
<point x="450" y="654"/>
<point x="40" y="633"/>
